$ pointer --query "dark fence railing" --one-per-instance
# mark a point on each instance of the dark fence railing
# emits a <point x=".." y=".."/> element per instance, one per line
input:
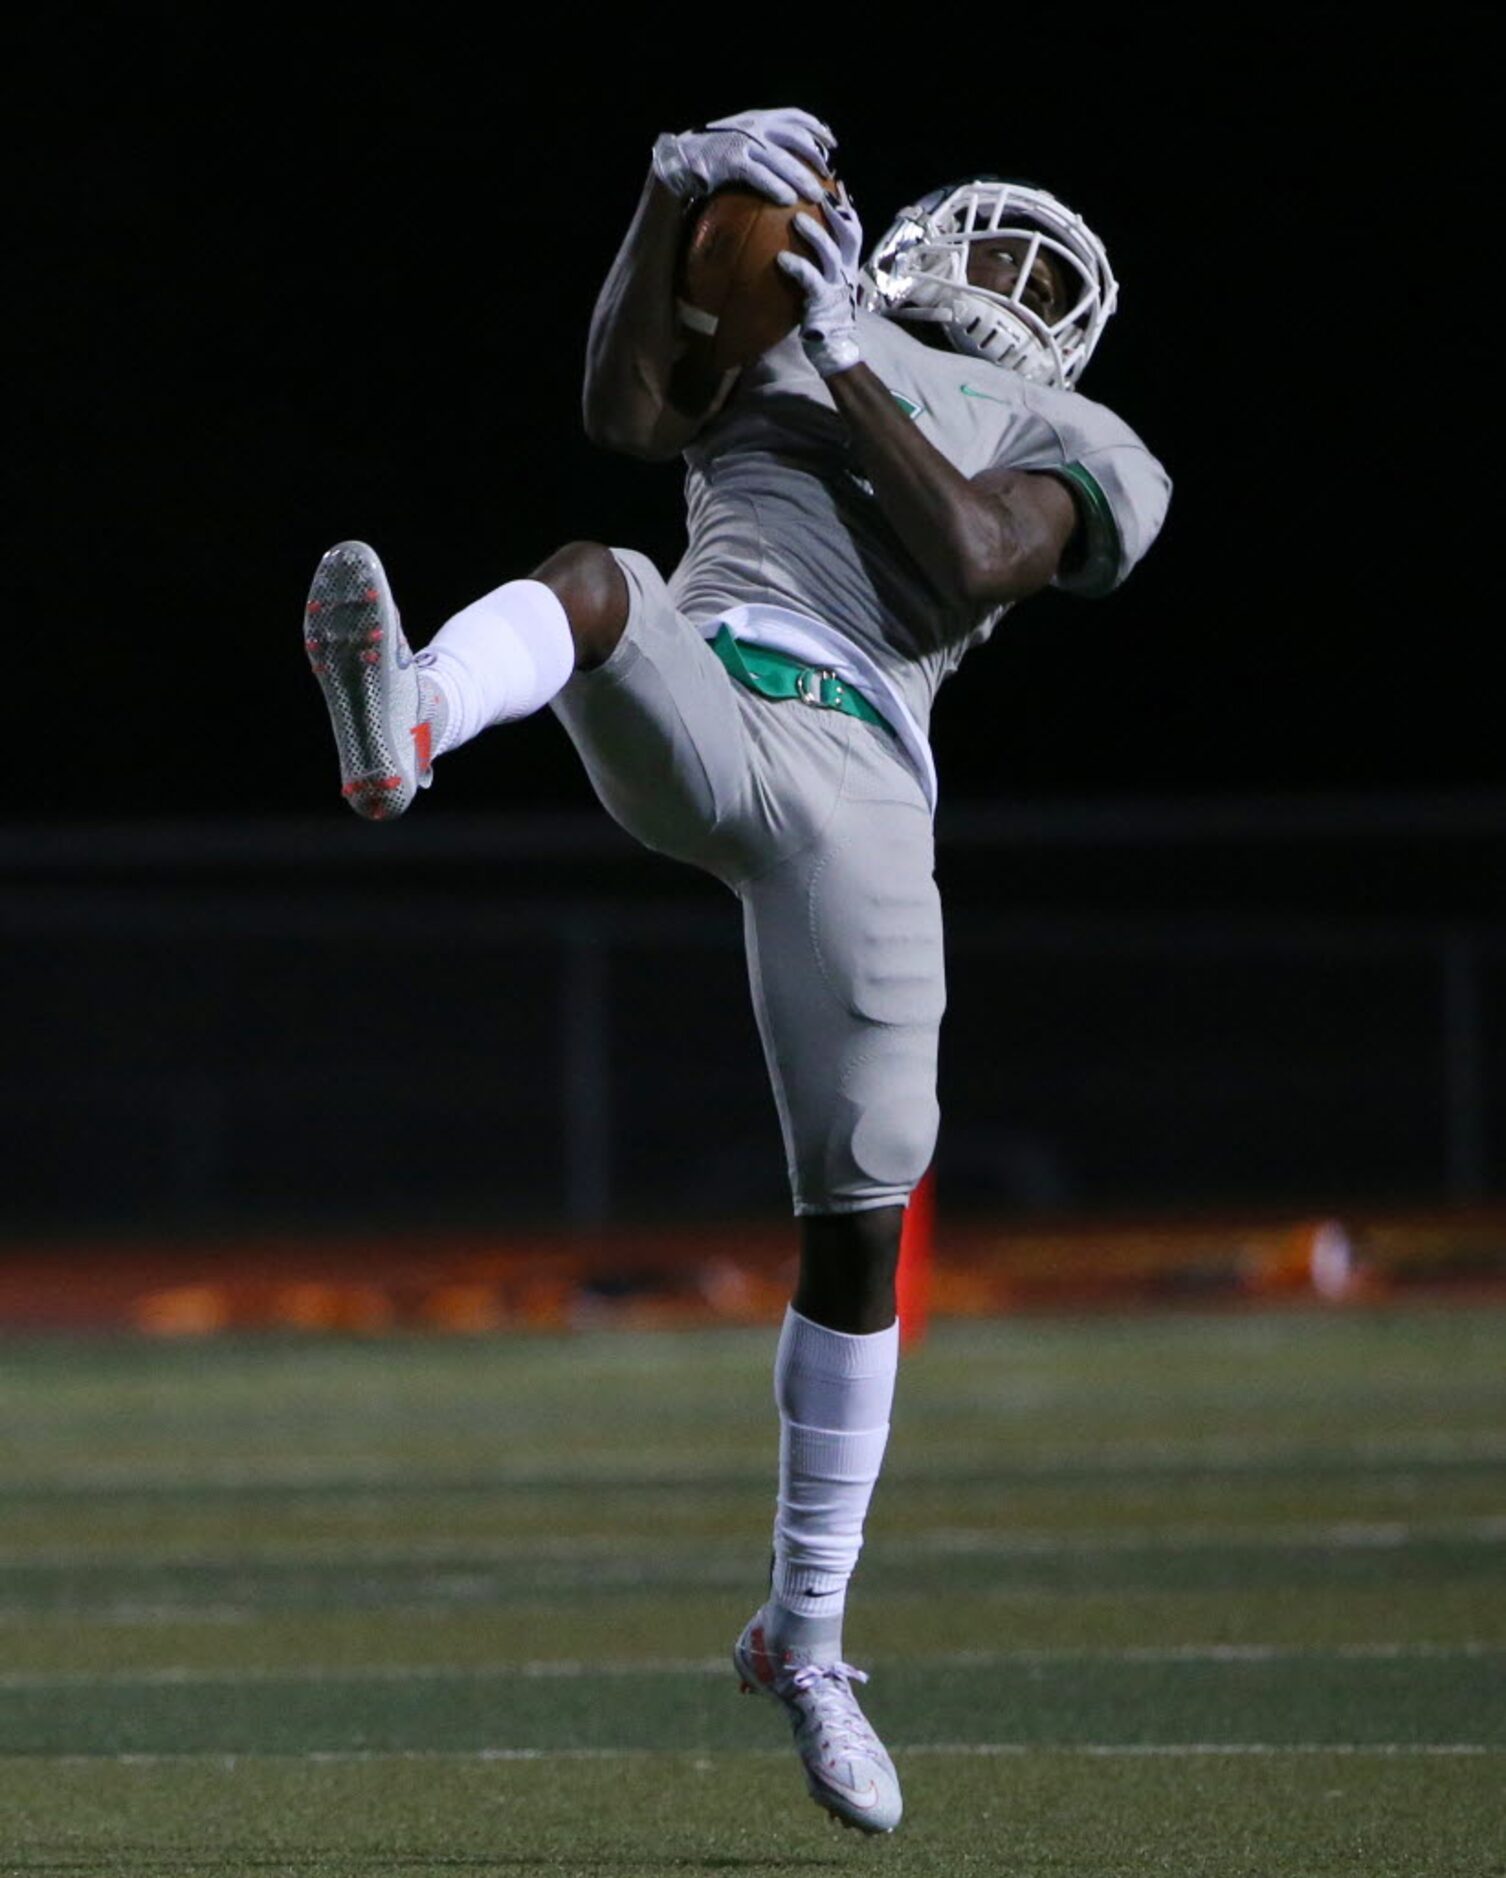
<point x="310" y="1025"/>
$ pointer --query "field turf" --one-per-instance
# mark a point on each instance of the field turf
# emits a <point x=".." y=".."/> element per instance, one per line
<point x="1192" y="1595"/>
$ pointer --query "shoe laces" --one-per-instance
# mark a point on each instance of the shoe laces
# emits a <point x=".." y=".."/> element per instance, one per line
<point x="829" y="1688"/>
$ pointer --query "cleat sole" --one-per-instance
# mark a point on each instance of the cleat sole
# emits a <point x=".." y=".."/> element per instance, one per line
<point x="347" y="617"/>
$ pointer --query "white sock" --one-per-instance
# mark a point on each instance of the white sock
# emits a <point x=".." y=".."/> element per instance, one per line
<point x="502" y="657"/>
<point x="834" y="1392"/>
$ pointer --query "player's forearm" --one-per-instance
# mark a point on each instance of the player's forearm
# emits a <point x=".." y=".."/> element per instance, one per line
<point x="971" y="547"/>
<point x="634" y="342"/>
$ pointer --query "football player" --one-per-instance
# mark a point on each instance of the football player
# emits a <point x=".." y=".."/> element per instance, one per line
<point x="865" y="503"/>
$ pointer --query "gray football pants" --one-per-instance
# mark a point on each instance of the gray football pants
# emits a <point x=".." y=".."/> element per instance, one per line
<point x="817" y="823"/>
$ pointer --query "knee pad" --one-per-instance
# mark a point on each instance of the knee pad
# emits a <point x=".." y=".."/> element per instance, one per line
<point x="850" y="994"/>
<point x="893" y="1139"/>
<point x="880" y="1132"/>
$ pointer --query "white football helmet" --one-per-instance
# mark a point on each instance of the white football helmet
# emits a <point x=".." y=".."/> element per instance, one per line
<point x="917" y="270"/>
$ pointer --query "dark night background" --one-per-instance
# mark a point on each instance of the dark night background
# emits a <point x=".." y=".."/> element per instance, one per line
<point x="282" y="282"/>
<point x="1221" y="855"/>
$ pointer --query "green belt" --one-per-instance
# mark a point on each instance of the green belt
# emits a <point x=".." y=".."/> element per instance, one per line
<point x="779" y="675"/>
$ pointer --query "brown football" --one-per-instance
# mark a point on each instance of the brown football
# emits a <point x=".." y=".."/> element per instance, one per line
<point x="732" y="296"/>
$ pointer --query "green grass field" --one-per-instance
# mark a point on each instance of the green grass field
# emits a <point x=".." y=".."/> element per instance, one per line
<point x="1185" y="1595"/>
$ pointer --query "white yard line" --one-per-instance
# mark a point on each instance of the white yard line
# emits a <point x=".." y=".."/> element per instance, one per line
<point x="150" y="1615"/>
<point x="1179" y="1750"/>
<point x="572" y="1669"/>
<point x="955" y="1750"/>
<point x="1342" y="1535"/>
<point x="460" y="1553"/>
<point x="1214" y="1653"/>
<point x="1129" y="1456"/>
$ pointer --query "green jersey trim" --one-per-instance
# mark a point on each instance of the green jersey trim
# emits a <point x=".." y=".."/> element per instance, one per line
<point x="1095" y="568"/>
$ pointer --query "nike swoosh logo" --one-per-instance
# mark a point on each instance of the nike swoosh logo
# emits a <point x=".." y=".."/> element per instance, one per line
<point x="968" y="391"/>
<point x="863" y="1800"/>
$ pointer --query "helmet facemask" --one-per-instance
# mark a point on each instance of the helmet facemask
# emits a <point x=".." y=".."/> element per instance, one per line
<point x="918" y="271"/>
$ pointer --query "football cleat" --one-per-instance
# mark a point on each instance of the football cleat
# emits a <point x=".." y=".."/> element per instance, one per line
<point x="356" y="647"/>
<point x="847" y="1770"/>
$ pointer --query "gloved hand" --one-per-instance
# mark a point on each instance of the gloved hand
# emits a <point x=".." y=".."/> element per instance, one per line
<point x="773" y="152"/>
<point x="829" y="326"/>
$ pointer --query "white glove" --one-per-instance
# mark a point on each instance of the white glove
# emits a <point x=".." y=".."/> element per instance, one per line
<point x="829" y="325"/>
<point x="774" y="152"/>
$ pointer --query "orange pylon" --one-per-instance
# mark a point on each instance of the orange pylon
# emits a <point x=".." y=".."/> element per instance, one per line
<point x="916" y="1244"/>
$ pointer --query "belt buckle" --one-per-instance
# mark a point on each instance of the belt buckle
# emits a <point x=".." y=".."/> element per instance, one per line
<point x="819" y="686"/>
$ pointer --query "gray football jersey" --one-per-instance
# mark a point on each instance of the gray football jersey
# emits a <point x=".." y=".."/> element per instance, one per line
<point x="777" y="511"/>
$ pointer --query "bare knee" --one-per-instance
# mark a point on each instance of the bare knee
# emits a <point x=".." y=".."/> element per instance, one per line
<point x="848" y="1263"/>
<point x="592" y="588"/>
